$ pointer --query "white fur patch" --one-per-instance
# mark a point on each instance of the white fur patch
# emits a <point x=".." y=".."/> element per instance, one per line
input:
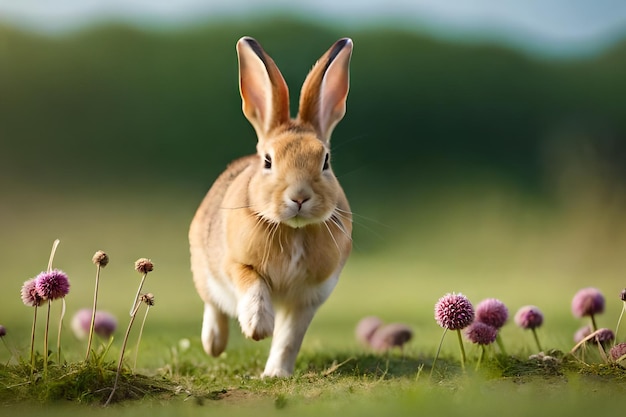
<point x="255" y="312"/>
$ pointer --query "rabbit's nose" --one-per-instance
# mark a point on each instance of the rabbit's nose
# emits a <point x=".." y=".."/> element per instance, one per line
<point x="300" y="201"/>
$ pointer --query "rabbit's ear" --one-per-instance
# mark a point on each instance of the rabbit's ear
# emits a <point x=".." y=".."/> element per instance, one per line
<point x="324" y="93"/>
<point x="264" y="93"/>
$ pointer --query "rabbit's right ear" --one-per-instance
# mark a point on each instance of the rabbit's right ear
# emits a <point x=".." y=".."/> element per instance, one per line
<point x="264" y="93"/>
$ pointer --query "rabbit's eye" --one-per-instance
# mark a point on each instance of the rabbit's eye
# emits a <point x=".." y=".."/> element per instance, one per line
<point x="267" y="163"/>
<point x="326" y="165"/>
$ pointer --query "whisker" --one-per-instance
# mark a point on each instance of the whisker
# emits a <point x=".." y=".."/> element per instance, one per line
<point x="335" y="220"/>
<point x="236" y="207"/>
<point x="331" y="235"/>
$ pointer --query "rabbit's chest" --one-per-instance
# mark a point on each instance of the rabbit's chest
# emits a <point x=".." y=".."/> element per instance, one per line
<point x="295" y="264"/>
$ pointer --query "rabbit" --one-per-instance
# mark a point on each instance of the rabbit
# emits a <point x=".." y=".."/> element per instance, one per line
<point x="273" y="233"/>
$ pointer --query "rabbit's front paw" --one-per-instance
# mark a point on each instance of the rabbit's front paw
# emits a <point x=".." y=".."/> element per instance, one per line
<point x="255" y="312"/>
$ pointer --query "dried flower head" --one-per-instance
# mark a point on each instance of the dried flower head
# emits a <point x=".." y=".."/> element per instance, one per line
<point x="148" y="299"/>
<point x="143" y="265"/>
<point x="582" y="333"/>
<point x="30" y="297"/>
<point x="100" y="258"/>
<point x="481" y="333"/>
<point x="454" y="311"/>
<point x="390" y="336"/>
<point x="52" y="285"/>
<point x="604" y="336"/>
<point x="529" y="317"/>
<point x="105" y="323"/>
<point x="492" y="312"/>
<point x="622" y="295"/>
<point x="617" y="351"/>
<point x="587" y="302"/>
<point x="3" y="331"/>
<point x="365" y="329"/>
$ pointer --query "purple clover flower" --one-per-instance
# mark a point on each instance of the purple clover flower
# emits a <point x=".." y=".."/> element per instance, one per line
<point x="492" y="312"/>
<point x="617" y="351"/>
<point x="105" y="323"/>
<point x="390" y="336"/>
<point x="481" y="333"/>
<point x="604" y="336"/>
<point x="366" y="327"/>
<point x="587" y="302"/>
<point x="529" y="317"/>
<point x="454" y="311"/>
<point x="52" y="285"/>
<point x="30" y="297"/>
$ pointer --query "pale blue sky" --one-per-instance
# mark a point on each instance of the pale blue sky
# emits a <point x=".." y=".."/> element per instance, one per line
<point x="544" y="24"/>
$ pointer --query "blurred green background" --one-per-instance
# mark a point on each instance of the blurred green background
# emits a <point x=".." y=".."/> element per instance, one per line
<point x="470" y="166"/>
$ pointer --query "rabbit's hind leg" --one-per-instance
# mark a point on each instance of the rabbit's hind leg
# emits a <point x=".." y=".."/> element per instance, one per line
<point x="214" y="330"/>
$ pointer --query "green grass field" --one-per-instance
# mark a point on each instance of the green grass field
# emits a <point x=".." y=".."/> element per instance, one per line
<point x="482" y="241"/>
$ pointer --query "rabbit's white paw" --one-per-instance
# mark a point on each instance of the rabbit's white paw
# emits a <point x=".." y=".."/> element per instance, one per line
<point x="255" y="312"/>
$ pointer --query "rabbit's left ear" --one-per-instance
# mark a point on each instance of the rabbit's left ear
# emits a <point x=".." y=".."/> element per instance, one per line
<point x="324" y="92"/>
<point x="264" y="93"/>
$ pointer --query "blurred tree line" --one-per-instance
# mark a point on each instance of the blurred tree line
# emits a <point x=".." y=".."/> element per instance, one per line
<point x="115" y="102"/>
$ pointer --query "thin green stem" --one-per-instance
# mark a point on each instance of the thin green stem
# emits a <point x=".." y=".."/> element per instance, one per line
<point x="45" y="342"/>
<point x="593" y="322"/>
<point x="500" y="344"/>
<point x="463" y="359"/>
<point x="619" y="321"/>
<point x="133" y="314"/>
<point x="437" y="354"/>
<point x="32" y="343"/>
<point x="139" y="337"/>
<point x="93" y="312"/>
<point x="481" y="356"/>
<point x="537" y="340"/>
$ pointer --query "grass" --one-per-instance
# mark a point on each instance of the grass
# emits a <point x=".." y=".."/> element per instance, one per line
<point x="483" y="242"/>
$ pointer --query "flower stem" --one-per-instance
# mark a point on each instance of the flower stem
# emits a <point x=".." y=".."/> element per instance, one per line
<point x="139" y="338"/>
<point x="32" y="343"/>
<point x="619" y="322"/>
<point x="458" y="332"/>
<point x="437" y="354"/>
<point x="93" y="312"/>
<point x="55" y="244"/>
<point x="500" y="344"/>
<point x="537" y="339"/>
<point x="480" y="358"/>
<point x="136" y="302"/>
<point x="60" y="327"/>
<point x="45" y="342"/>
<point x="593" y="322"/>
<point x="133" y="313"/>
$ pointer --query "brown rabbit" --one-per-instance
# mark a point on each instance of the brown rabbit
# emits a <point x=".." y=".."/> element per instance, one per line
<point x="272" y="235"/>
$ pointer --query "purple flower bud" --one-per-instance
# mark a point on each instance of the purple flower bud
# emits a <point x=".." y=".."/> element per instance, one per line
<point x="529" y="317"/>
<point x="587" y="302"/>
<point x="365" y="329"/>
<point x="617" y="351"/>
<point x="390" y="336"/>
<point x="454" y="311"/>
<point x="481" y="333"/>
<point x="492" y="312"/>
<point x="3" y="331"/>
<point x="622" y="295"/>
<point x="30" y="297"/>
<point x="52" y="285"/>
